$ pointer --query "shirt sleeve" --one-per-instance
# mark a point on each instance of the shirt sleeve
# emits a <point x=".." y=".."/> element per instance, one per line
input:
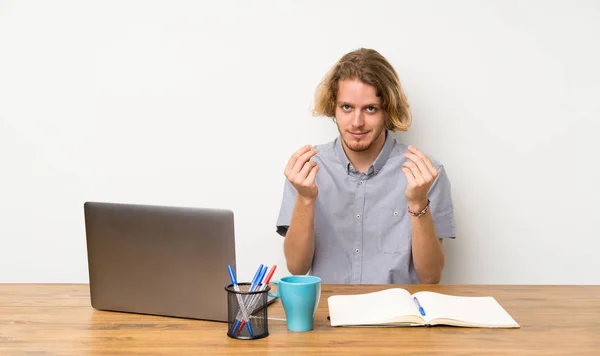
<point x="441" y="206"/>
<point x="287" y="208"/>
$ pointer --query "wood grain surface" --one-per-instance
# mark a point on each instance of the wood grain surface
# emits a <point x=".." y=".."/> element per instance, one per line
<point x="57" y="319"/>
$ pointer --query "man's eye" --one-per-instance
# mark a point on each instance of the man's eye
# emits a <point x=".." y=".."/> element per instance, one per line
<point x="346" y="107"/>
<point x="371" y="109"/>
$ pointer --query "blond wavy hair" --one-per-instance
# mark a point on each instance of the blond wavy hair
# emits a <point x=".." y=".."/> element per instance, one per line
<point x="370" y="67"/>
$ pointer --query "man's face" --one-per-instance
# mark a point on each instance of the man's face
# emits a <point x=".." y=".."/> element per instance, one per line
<point x="359" y="116"/>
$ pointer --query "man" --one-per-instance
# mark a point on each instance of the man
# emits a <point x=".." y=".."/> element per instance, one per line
<point x="365" y="208"/>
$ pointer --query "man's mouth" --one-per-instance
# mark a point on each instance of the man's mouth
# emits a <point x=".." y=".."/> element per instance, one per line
<point x="358" y="134"/>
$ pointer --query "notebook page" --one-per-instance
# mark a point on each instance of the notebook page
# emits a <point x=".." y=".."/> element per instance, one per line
<point x="371" y="308"/>
<point x="473" y="311"/>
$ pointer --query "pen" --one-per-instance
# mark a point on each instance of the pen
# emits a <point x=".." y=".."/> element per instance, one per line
<point x="255" y="298"/>
<point x="257" y="274"/>
<point x="258" y="280"/>
<point x="421" y="310"/>
<point x="255" y="283"/>
<point x="268" y="279"/>
<point x="239" y="325"/>
<point x="265" y="283"/>
<point x="246" y="320"/>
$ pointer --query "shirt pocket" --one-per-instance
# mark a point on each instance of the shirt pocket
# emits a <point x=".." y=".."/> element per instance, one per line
<point x="394" y="231"/>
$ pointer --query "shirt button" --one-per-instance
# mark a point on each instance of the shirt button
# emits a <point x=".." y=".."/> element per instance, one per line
<point x="395" y="213"/>
<point x="357" y="216"/>
<point x="361" y="182"/>
<point x="357" y="250"/>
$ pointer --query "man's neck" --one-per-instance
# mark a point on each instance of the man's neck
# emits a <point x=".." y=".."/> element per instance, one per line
<point x="363" y="160"/>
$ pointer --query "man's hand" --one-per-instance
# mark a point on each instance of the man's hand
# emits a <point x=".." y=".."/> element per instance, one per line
<point x="301" y="172"/>
<point x="420" y="174"/>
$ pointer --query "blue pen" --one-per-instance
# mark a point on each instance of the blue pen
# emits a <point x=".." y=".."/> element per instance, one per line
<point x="259" y="280"/>
<point x="256" y="282"/>
<point x="421" y="310"/>
<point x="236" y="325"/>
<point x="240" y="302"/>
<point x="262" y="285"/>
<point x="262" y="276"/>
<point x="257" y="274"/>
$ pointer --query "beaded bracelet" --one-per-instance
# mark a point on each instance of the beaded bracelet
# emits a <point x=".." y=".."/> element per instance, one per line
<point x="420" y="213"/>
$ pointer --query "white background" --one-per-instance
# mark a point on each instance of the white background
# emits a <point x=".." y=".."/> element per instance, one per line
<point x="201" y="103"/>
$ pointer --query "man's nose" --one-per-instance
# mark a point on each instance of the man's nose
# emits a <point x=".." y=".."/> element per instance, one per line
<point x="358" y="119"/>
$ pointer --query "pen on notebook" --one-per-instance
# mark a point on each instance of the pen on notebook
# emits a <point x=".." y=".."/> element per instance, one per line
<point x="246" y="320"/>
<point x="421" y="310"/>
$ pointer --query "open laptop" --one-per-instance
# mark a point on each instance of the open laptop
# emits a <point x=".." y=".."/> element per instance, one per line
<point x="160" y="260"/>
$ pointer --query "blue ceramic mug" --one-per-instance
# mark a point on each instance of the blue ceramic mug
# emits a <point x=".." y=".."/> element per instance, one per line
<point x="300" y="298"/>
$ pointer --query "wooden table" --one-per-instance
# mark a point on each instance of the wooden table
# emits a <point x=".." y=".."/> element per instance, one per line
<point x="57" y="319"/>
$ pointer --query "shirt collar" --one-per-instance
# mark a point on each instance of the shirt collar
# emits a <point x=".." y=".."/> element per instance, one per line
<point x="377" y="164"/>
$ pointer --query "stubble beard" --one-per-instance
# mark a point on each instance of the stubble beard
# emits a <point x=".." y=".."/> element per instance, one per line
<point x="359" y="146"/>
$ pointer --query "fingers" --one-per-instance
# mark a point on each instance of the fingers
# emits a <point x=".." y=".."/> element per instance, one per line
<point x="310" y="179"/>
<point x="422" y="166"/>
<point x="425" y="161"/>
<point x="410" y="178"/>
<point x="417" y="175"/>
<point x="298" y="159"/>
<point x="306" y="169"/>
<point x="295" y="157"/>
<point x="300" y="171"/>
<point x="304" y="158"/>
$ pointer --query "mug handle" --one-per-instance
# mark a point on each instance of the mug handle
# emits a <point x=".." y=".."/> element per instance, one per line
<point x="275" y="295"/>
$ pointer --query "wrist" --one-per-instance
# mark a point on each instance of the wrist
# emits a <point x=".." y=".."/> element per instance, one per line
<point x="417" y="205"/>
<point x="300" y="199"/>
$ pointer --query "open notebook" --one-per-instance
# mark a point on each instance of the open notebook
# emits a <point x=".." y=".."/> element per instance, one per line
<point x="398" y="307"/>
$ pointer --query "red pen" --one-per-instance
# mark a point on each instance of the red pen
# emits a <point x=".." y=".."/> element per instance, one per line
<point x="268" y="279"/>
<point x="255" y="298"/>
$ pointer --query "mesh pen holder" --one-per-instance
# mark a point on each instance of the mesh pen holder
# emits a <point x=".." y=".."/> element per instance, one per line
<point x="247" y="312"/>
